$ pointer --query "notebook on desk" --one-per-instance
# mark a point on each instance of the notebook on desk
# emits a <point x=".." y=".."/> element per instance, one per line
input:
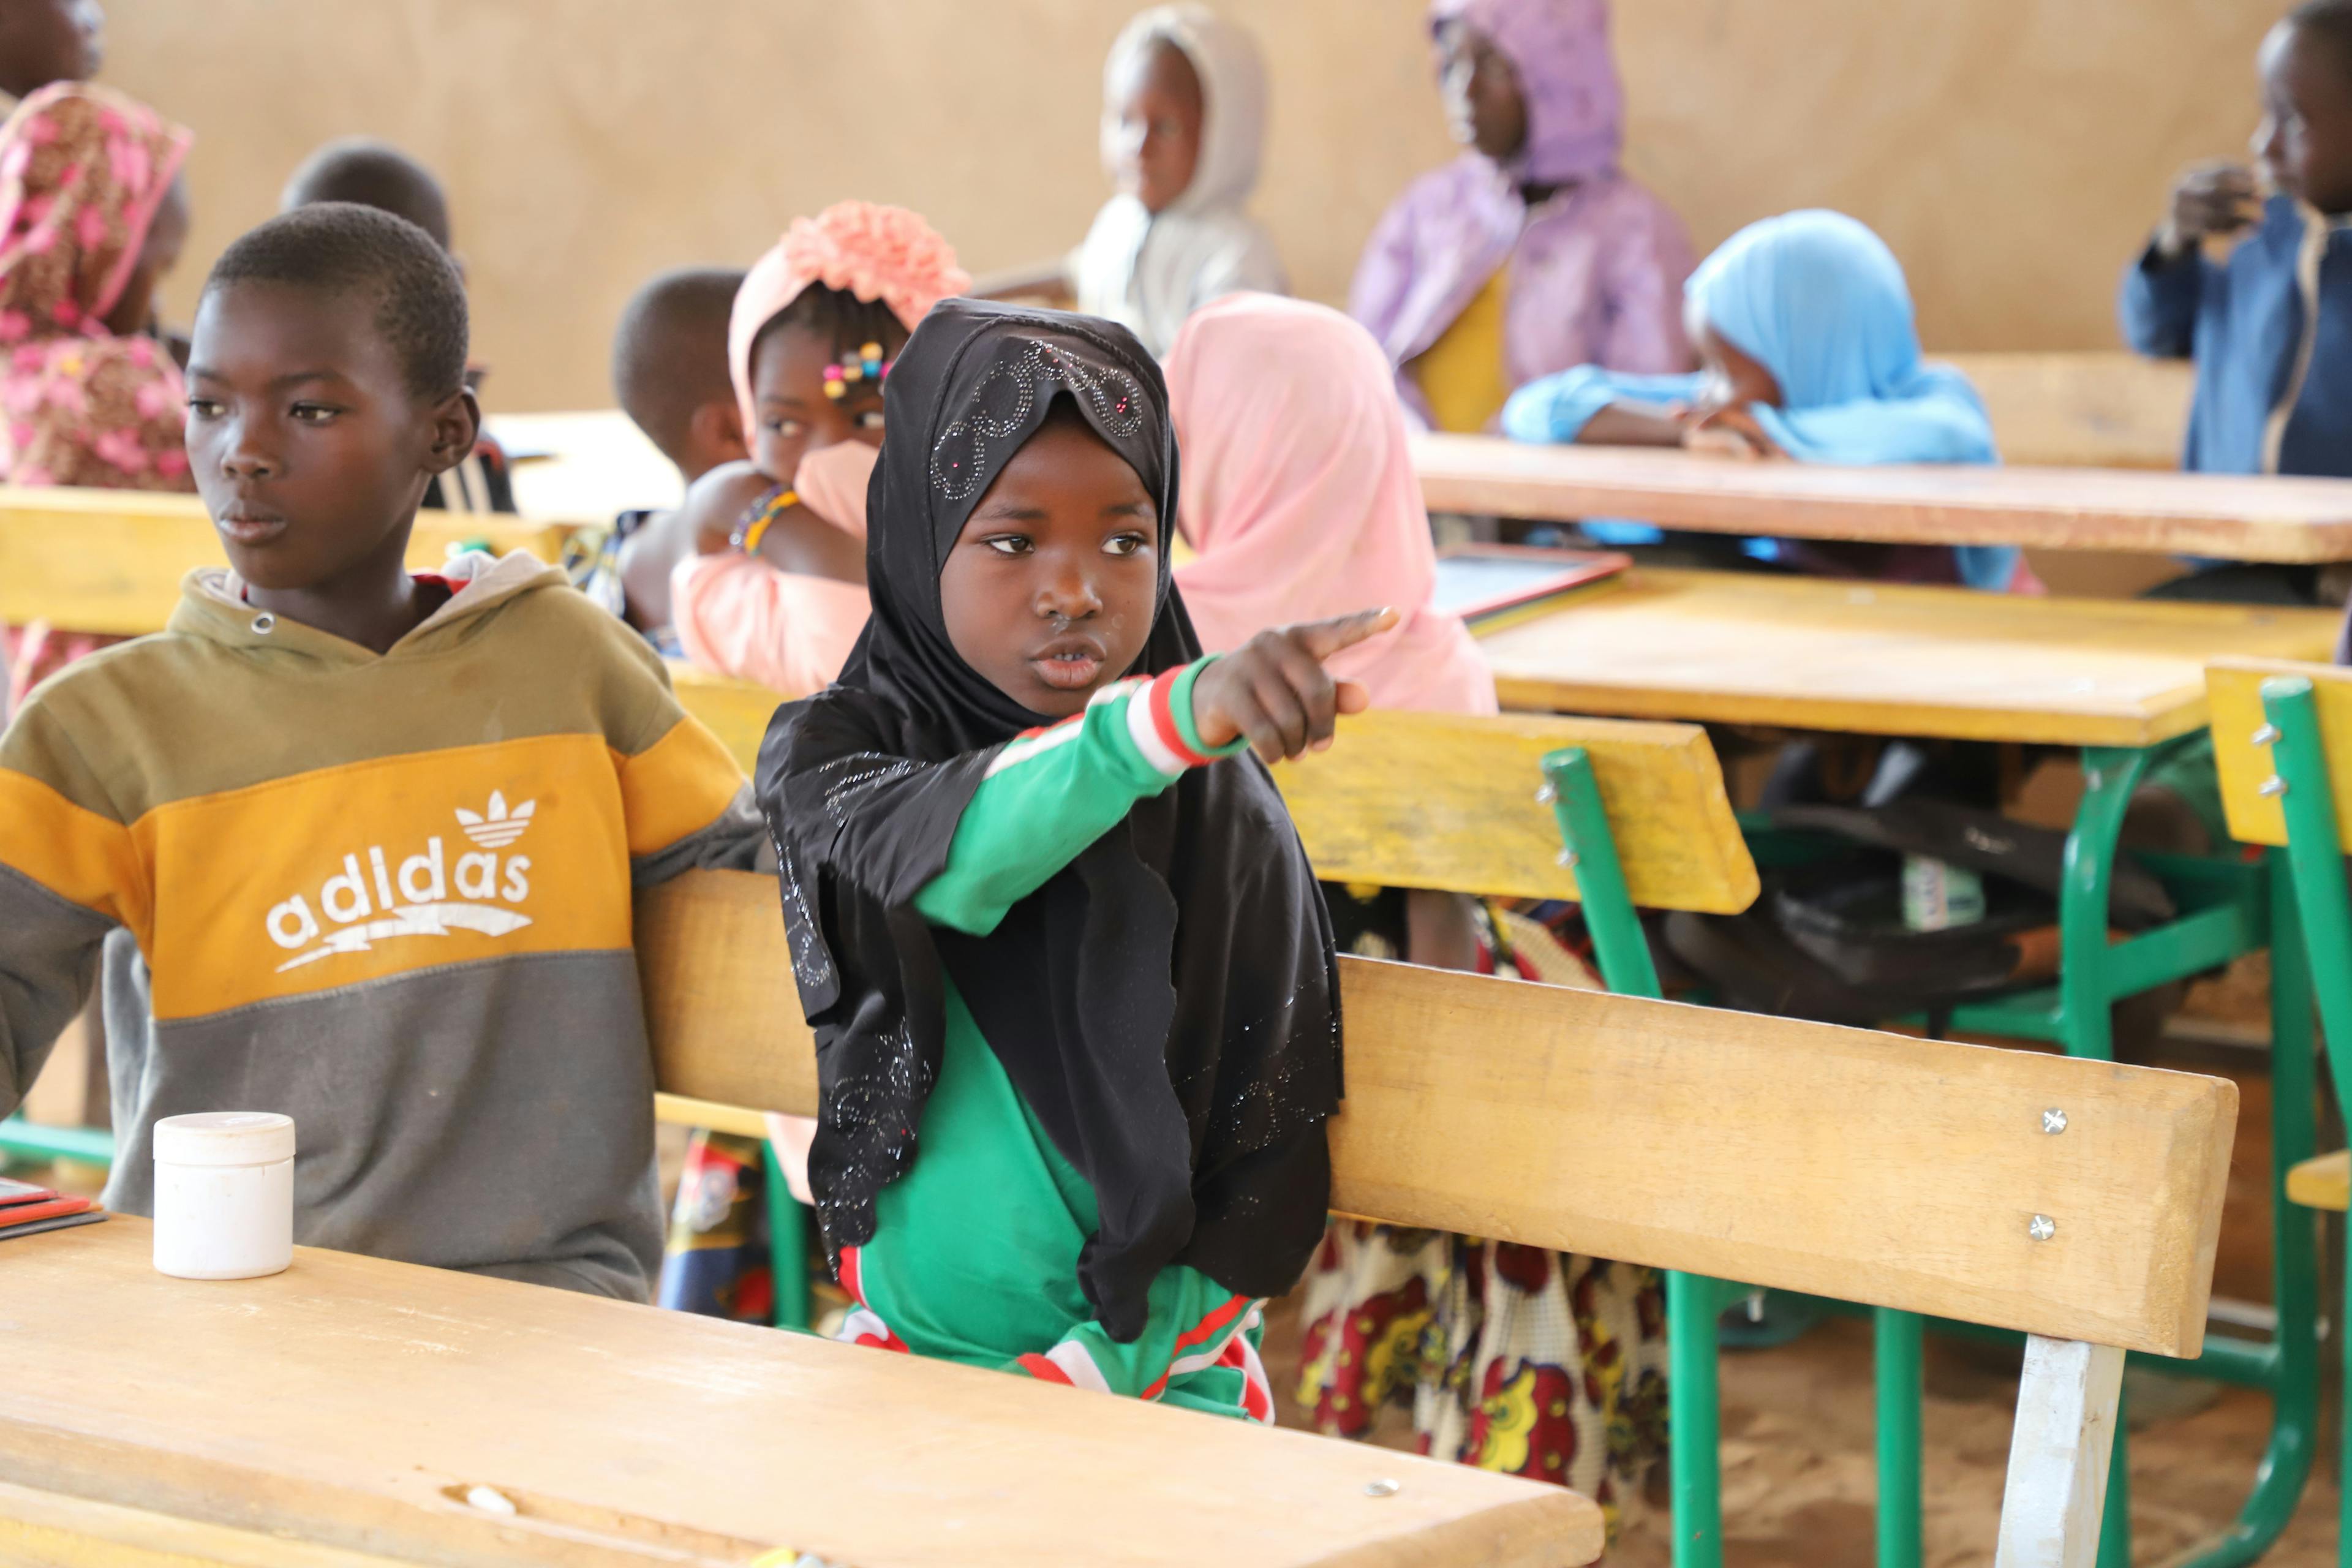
<point x="1483" y="583"/>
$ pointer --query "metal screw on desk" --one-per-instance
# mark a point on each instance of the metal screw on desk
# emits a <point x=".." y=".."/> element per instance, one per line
<point x="1382" y="1487"/>
<point x="2053" y="1120"/>
<point x="2272" y="786"/>
<point x="1546" y="795"/>
<point x="2043" y="1227"/>
<point x="2267" y="735"/>
<point x="1567" y="857"/>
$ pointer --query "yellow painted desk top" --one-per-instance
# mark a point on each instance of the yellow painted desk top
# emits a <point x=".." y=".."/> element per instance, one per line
<point x="595" y="463"/>
<point x="1815" y="654"/>
<point x="353" y="1404"/>
<point x="2258" y="518"/>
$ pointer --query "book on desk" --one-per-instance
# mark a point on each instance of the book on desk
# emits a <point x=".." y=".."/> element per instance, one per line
<point x="1494" y="585"/>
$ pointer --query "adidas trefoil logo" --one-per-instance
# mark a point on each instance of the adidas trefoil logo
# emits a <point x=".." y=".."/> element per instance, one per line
<point x="496" y="827"/>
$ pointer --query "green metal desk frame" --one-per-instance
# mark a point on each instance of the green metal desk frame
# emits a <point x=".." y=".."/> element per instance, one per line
<point x="2229" y="908"/>
<point x="2313" y="868"/>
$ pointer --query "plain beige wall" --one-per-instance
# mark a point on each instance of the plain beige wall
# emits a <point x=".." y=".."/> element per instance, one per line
<point x="2013" y="151"/>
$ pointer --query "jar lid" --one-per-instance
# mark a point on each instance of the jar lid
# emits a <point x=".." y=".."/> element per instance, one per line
<point x="225" y="1137"/>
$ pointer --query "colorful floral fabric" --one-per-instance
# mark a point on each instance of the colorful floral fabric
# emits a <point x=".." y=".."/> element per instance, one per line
<point x="82" y="171"/>
<point x="1512" y="1358"/>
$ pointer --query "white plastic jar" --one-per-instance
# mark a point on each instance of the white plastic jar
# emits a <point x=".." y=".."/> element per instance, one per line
<point x="224" y="1195"/>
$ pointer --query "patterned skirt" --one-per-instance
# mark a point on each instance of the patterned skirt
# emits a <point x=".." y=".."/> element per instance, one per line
<point x="1512" y="1358"/>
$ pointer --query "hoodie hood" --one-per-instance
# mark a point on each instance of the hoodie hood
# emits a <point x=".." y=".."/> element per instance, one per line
<point x="1233" y="100"/>
<point x="213" y="607"/>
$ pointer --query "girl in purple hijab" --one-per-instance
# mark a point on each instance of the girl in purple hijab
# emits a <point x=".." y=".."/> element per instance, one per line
<point x="1532" y="251"/>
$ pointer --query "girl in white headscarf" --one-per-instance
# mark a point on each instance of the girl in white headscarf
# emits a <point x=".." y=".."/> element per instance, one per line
<point x="1183" y="120"/>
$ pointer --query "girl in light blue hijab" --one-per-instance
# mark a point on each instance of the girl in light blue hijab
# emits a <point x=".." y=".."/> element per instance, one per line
<point x="1803" y="324"/>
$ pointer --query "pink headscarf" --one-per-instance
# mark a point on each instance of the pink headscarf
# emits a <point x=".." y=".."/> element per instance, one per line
<point x="874" y="252"/>
<point x="1301" y="497"/>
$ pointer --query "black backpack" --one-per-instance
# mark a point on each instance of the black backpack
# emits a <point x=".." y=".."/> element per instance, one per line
<point x="1826" y="938"/>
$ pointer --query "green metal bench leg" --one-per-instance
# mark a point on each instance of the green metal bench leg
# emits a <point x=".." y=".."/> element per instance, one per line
<point x="1896" y="1360"/>
<point x="787" y="1245"/>
<point x="34" y="1140"/>
<point x="1622" y="954"/>
<point x="1694" y="1420"/>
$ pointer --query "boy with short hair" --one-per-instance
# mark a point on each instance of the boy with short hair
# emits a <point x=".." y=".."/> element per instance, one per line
<point x="670" y="377"/>
<point x="359" y="846"/>
<point x="2270" y="327"/>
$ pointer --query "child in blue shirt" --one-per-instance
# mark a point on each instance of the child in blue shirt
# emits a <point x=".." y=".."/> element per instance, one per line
<point x="2270" y="327"/>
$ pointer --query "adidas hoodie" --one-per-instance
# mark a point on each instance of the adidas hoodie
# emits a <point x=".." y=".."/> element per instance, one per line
<point x="388" y="896"/>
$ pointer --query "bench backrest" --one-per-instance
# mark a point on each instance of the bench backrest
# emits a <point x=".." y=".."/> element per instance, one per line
<point x="2242" y="752"/>
<point x="1866" y="1166"/>
<point x="2095" y="410"/>
<point x="1450" y="802"/>
<point x="111" y="561"/>
<point x="2076" y="1200"/>
<point x="2283" y="746"/>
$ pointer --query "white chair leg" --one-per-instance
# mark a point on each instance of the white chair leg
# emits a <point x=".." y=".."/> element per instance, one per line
<point x="2058" y="1456"/>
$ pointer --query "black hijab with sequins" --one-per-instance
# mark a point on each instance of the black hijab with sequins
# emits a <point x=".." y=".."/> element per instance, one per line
<point x="1167" y="1003"/>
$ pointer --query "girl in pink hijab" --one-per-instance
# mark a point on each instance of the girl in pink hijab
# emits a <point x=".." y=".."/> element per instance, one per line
<point x="1533" y="251"/>
<point x="776" y="590"/>
<point x="1299" y="497"/>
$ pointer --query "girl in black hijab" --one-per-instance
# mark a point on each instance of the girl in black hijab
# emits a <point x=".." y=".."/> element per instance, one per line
<point x="1072" y="981"/>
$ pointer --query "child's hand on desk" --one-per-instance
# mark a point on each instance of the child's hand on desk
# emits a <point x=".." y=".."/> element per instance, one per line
<point x="1730" y="432"/>
<point x="1273" y="689"/>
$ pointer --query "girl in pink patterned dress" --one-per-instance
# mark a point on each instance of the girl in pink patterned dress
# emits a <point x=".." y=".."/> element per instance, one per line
<point x="92" y="215"/>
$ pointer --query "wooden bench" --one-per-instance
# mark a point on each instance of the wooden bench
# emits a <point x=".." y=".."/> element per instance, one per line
<point x="2093" y="410"/>
<point x="1902" y="1173"/>
<point x="2242" y="518"/>
<point x="2283" y="744"/>
<point x="354" y="1407"/>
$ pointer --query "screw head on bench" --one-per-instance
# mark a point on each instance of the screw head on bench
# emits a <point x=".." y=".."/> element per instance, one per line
<point x="2267" y="735"/>
<point x="2272" y="786"/>
<point x="1567" y="857"/>
<point x="2053" y="1120"/>
<point x="2042" y="1227"/>
<point x="1546" y="795"/>
<point x="1382" y="1487"/>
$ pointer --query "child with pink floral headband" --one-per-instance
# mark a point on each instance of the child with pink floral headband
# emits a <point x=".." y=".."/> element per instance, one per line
<point x="775" y="591"/>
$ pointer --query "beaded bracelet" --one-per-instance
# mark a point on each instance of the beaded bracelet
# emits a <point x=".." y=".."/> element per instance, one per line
<point x="746" y="536"/>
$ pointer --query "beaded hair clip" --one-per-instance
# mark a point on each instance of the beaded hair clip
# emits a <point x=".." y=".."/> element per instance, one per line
<point x="870" y="365"/>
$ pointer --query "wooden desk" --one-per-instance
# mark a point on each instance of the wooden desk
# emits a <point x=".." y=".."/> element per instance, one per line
<point x="2286" y="520"/>
<point x="596" y="463"/>
<point x="1814" y="654"/>
<point x="352" y="1403"/>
